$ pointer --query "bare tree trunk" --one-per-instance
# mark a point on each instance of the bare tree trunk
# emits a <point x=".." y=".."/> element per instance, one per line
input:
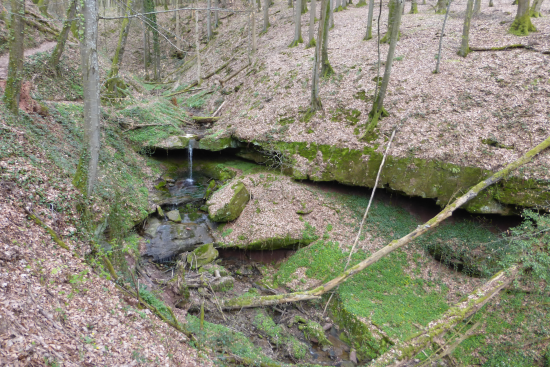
<point x="465" y="45"/>
<point x="90" y="84"/>
<point x="209" y="20"/>
<point x="477" y="7"/>
<point x="15" y="63"/>
<point x="237" y="303"/>
<point x="179" y="53"/>
<point x="331" y="17"/>
<point x="216" y="14"/>
<point x="368" y="36"/>
<point x="253" y="29"/>
<point x="397" y="356"/>
<point x="303" y="6"/>
<point x="535" y="9"/>
<point x="114" y="84"/>
<point x="63" y="35"/>
<point x="198" y="47"/>
<point x="146" y="44"/>
<point x="522" y="25"/>
<point x="297" y="24"/>
<point x="151" y="20"/>
<point x="378" y="105"/>
<point x="315" y="100"/>
<point x="441" y="6"/>
<point x="441" y="38"/>
<point x="414" y="7"/>
<point x="326" y="68"/>
<point x="391" y="17"/>
<point x="491" y="4"/>
<point x="312" y="10"/>
<point x="266" y="15"/>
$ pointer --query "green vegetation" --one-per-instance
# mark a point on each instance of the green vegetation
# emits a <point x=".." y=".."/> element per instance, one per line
<point x="279" y="336"/>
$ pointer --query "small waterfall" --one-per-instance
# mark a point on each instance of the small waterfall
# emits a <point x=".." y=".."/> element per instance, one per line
<point x="190" y="155"/>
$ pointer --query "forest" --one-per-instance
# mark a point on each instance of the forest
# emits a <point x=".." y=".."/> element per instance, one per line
<point x="275" y="183"/>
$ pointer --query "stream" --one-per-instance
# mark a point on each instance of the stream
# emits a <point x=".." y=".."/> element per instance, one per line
<point x="182" y="225"/>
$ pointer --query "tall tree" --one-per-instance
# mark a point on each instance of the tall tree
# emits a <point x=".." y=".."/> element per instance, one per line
<point x="209" y="19"/>
<point x="378" y="109"/>
<point x="198" y="47"/>
<point x="535" y="9"/>
<point x="465" y="45"/>
<point x="216" y="14"/>
<point x="312" y="10"/>
<point x="477" y="7"/>
<point x="63" y="35"/>
<point x="368" y="35"/>
<point x="441" y="6"/>
<point x="414" y="7"/>
<point x="266" y="15"/>
<point x="391" y="20"/>
<point x="179" y="54"/>
<point x="297" y="24"/>
<point x="323" y="23"/>
<point x="522" y="24"/>
<point x="326" y="68"/>
<point x="15" y="63"/>
<point x="151" y="20"/>
<point x="90" y="83"/>
<point x="114" y="85"/>
<point x="303" y="6"/>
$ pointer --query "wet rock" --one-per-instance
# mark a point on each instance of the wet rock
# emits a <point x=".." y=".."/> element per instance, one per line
<point x="202" y="256"/>
<point x="153" y="225"/>
<point x="174" y="142"/>
<point x="245" y="270"/>
<point x="173" y="239"/>
<point x="232" y="207"/>
<point x="160" y="211"/>
<point x="174" y="216"/>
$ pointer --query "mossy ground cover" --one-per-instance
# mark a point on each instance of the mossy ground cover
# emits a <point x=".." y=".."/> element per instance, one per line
<point x="388" y="293"/>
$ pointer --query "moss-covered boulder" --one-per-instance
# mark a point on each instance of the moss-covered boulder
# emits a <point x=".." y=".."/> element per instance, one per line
<point x="175" y="142"/>
<point x="153" y="225"/>
<point x="229" y="204"/>
<point x="202" y="255"/>
<point x="214" y="269"/>
<point x="174" y="216"/>
<point x="280" y="336"/>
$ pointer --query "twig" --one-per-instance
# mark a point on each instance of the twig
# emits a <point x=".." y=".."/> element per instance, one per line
<point x="218" y="110"/>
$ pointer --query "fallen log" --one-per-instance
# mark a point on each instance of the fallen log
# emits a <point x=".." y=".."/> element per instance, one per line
<point x="402" y="353"/>
<point x="205" y="119"/>
<point x="237" y="303"/>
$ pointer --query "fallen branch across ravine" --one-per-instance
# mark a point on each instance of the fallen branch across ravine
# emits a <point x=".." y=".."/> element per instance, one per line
<point x="237" y="303"/>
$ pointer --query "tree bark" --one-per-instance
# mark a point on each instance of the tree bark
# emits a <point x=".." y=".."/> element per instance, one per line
<point x="392" y="246"/>
<point x="378" y="105"/>
<point x="331" y="17"/>
<point x="368" y="36"/>
<point x="535" y="9"/>
<point x="253" y="29"/>
<point x="312" y="10"/>
<point x="266" y="15"/>
<point x="393" y="7"/>
<point x="216" y="14"/>
<point x="15" y="63"/>
<point x="315" y="100"/>
<point x="326" y="68"/>
<point x="491" y="4"/>
<point x="90" y="84"/>
<point x="414" y="7"/>
<point x="151" y="20"/>
<point x="208" y="20"/>
<point x="441" y="38"/>
<point x="303" y="6"/>
<point x="404" y="352"/>
<point x="297" y="24"/>
<point x="114" y="83"/>
<point x="63" y="35"/>
<point x="477" y="7"/>
<point x="465" y="45"/>
<point x="197" y="47"/>
<point x="522" y="25"/>
<point x="441" y="6"/>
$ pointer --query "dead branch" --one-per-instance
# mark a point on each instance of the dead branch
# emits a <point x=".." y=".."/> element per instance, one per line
<point x="205" y="119"/>
<point x="478" y="298"/>
<point x="315" y="293"/>
<point x="234" y="74"/>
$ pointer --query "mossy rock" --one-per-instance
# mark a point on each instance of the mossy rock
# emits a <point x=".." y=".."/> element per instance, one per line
<point x="279" y="336"/>
<point x="211" y="268"/>
<point x="174" y="142"/>
<point x="210" y="189"/>
<point x="202" y="255"/>
<point x="174" y="216"/>
<point x="233" y="207"/>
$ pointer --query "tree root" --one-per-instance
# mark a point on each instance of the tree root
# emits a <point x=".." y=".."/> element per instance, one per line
<point x="50" y="231"/>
